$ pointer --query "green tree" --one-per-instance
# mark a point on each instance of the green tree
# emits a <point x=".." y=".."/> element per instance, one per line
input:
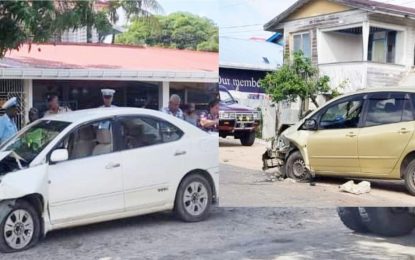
<point x="40" y="20"/>
<point x="178" y="30"/>
<point x="298" y="78"/>
<point x="133" y="9"/>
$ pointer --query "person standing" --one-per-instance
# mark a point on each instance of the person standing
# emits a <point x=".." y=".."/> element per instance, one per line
<point x="191" y="115"/>
<point x="8" y="127"/>
<point x="33" y="115"/>
<point x="210" y="121"/>
<point x="54" y="107"/>
<point x="107" y="97"/>
<point x="174" y="107"/>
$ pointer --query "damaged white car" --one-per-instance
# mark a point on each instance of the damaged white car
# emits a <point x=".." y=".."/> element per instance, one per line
<point x="103" y="164"/>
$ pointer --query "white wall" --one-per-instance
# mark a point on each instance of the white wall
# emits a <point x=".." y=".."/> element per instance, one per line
<point x="339" y="47"/>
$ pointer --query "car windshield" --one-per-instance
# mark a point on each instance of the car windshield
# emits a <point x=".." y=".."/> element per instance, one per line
<point x="226" y="97"/>
<point x="30" y="142"/>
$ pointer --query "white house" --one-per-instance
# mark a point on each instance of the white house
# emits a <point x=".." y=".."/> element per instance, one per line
<point x="358" y="43"/>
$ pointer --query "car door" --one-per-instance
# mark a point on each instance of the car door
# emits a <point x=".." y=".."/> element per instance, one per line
<point x="153" y="156"/>
<point x="387" y="128"/>
<point x="89" y="184"/>
<point x="333" y="147"/>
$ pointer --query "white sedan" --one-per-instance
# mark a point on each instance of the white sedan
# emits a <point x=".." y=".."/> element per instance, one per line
<point x="102" y="164"/>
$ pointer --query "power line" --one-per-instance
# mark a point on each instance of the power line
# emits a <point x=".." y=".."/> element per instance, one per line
<point x="241" y="26"/>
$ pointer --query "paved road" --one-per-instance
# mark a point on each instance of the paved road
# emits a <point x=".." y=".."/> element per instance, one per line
<point x="243" y="183"/>
<point x="230" y="233"/>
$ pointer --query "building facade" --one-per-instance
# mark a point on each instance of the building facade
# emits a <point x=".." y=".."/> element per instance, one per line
<point x="357" y="43"/>
<point x="142" y="77"/>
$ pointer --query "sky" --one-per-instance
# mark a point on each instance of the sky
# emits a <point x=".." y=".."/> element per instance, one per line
<point x="241" y="18"/>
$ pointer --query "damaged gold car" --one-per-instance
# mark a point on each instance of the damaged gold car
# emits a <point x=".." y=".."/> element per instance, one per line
<point x="366" y="134"/>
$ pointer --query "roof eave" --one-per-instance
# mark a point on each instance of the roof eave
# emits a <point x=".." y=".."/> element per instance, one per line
<point x="109" y="74"/>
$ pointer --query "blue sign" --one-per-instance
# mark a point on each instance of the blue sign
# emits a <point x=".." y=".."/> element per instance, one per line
<point x="241" y="80"/>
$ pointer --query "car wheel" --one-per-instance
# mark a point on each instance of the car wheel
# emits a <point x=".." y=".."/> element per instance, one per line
<point x="20" y="228"/>
<point x="410" y="177"/>
<point x="295" y="167"/>
<point x="351" y="218"/>
<point x="193" y="199"/>
<point x="248" y="139"/>
<point x="388" y="221"/>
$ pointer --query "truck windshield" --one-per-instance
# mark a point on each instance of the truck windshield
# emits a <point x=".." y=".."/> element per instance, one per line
<point x="29" y="143"/>
<point x="226" y="97"/>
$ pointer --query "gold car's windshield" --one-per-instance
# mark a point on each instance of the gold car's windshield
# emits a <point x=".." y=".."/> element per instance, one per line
<point x="29" y="143"/>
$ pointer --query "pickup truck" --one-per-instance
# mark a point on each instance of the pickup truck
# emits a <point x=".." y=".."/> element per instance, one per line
<point x="237" y="120"/>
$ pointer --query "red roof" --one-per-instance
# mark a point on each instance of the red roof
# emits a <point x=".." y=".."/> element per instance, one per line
<point x="103" y="56"/>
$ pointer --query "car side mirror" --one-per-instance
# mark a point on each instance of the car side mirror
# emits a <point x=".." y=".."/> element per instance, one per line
<point x="59" y="155"/>
<point x="310" y="124"/>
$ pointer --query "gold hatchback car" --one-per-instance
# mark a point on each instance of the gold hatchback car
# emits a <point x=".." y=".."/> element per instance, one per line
<point x="367" y="134"/>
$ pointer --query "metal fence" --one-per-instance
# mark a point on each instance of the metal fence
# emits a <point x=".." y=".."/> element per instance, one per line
<point x="13" y="88"/>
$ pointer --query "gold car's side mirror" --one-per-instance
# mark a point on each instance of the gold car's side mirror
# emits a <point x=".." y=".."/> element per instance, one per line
<point x="310" y="124"/>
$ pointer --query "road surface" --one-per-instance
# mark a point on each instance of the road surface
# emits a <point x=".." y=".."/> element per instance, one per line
<point x="244" y="184"/>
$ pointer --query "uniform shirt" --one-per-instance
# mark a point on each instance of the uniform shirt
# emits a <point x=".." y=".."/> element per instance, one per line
<point x="209" y="116"/>
<point x="7" y="128"/>
<point x="60" y="110"/>
<point x="178" y="114"/>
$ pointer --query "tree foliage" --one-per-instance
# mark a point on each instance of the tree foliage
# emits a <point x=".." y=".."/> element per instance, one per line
<point x="178" y="30"/>
<point x="41" y="20"/>
<point x="298" y="78"/>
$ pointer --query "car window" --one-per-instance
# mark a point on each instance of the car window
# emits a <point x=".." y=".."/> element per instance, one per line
<point x="342" y="115"/>
<point x="139" y="132"/>
<point x="389" y="109"/>
<point x="89" y="140"/>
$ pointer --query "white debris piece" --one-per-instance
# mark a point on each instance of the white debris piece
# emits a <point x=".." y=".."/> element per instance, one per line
<point x="289" y="180"/>
<point x="351" y="187"/>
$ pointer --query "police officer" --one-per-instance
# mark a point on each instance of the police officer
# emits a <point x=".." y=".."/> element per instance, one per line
<point x="8" y="127"/>
<point x="107" y="97"/>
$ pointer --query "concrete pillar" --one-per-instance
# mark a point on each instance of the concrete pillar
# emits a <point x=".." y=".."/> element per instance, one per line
<point x="164" y="94"/>
<point x="28" y="97"/>
<point x="365" y="37"/>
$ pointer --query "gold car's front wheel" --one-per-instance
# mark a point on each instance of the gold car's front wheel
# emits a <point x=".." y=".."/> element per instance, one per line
<point x="296" y="168"/>
<point x="410" y="177"/>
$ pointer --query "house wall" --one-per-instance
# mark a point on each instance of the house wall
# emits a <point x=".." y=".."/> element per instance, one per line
<point x="318" y="7"/>
<point x="339" y="47"/>
<point x="312" y="24"/>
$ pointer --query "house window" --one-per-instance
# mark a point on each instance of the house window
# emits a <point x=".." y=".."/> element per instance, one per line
<point x="382" y="46"/>
<point x="302" y="42"/>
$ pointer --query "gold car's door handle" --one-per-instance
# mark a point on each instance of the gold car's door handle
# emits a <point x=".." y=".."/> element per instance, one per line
<point x="351" y="134"/>
<point x="403" y="131"/>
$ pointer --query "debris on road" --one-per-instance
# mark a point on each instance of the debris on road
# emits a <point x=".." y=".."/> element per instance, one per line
<point x="360" y="188"/>
<point x="289" y="180"/>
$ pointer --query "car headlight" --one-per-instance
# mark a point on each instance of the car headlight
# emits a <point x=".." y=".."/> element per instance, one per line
<point x="227" y="115"/>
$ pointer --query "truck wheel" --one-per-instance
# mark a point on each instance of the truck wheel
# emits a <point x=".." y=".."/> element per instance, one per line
<point x="193" y="199"/>
<point x="351" y="218"/>
<point x="410" y="177"/>
<point x="295" y="167"/>
<point x="20" y="228"/>
<point x="388" y="221"/>
<point x="248" y="139"/>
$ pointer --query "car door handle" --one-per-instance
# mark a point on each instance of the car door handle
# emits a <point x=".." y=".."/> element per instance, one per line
<point x="112" y="166"/>
<point x="351" y="134"/>
<point x="403" y="131"/>
<point x="178" y="153"/>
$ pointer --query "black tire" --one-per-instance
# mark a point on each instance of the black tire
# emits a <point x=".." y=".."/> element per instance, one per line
<point x="20" y="205"/>
<point x="351" y="219"/>
<point x="388" y="222"/>
<point x="410" y="177"/>
<point x="181" y="208"/>
<point x="248" y="139"/>
<point x="296" y="160"/>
